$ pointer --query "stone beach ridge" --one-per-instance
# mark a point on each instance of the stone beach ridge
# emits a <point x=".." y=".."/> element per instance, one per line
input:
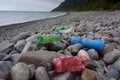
<point x="21" y="58"/>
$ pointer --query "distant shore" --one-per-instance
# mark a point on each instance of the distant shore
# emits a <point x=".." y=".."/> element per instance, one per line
<point x="9" y="31"/>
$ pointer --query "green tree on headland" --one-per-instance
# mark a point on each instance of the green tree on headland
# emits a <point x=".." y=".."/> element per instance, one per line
<point x="87" y="5"/>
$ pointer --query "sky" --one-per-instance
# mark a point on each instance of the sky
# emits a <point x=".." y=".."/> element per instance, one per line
<point x="29" y="5"/>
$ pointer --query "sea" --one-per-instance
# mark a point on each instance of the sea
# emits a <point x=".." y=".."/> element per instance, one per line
<point x="13" y="17"/>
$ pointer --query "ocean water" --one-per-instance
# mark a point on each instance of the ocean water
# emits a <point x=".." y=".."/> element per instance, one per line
<point x="12" y="17"/>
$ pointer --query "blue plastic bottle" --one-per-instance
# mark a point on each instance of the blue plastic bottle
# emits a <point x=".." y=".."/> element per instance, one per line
<point x="89" y="43"/>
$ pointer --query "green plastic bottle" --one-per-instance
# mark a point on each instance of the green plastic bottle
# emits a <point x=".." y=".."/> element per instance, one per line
<point x="60" y="28"/>
<point x="47" y="38"/>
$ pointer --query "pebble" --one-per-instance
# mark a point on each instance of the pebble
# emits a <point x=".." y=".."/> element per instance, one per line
<point x="116" y="34"/>
<point x="56" y="46"/>
<point x="113" y="74"/>
<point x="111" y="57"/>
<point x="88" y="74"/>
<point x="98" y="36"/>
<point x="14" y="58"/>
<point x="101" y="76"/>
<point x="99" y="67"/>
<point x="83" y="53"/>
<point x="5" y="67"/>
<point x="22" y="35"/>
<point x="116" y="64"/>
<point x="92" y="65"/>
<point x="2" y="56"/>
<point x="108" y="48"/>
<point x="65" y="76"/>
<point x="6" y="47"/>
<point x="74" y="48"/>
<point x="41" y="74"/>
<point x="93" y="54"/>
<point x="32" y="70"/>
<point x="20" y="71"/>
<point x="20" y="45"/>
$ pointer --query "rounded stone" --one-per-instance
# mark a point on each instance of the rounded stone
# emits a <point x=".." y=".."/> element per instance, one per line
<point x="31" y="69"/>
<point x="108" y="48"/>
<point x="116" y="64"/>
<point x="14" y="58"/>
<point x="2" y="56"/>
<point x="111" y="57"/>
<point x="20" y="45"/>
<point x="83" y="53"/>
<point x="5" y="67"/>
<point x="93" y="54"/>
<point x="55" y="46"/>
<point x="113" y="74"/>
<point x="22" y="35"/>
<point x="41" y="74"/>
<point x="74" y="48"/>
<point x="20" y="71"/>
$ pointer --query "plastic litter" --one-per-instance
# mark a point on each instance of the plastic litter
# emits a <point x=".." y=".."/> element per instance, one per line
<point x="89" y="43"/>
<point x="70" y="63"/>
<point x="47" y="38"/>
<point x="60" y="28"/>
<point x="70" y="30"/>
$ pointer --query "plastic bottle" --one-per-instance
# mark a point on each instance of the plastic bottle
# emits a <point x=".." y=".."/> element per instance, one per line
<point x="70" y="30"/>
<point x="47" y="38"/>
<point x="70" y="63"/>
<point x="89" y="43"/>
<point x="59" y="28"/>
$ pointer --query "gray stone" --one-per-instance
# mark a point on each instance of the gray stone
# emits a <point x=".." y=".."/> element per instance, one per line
<point x="98" y="26"/>
<point x="2" y="56"/>
<point x="116" y="64"/>
<point x="41" y="74"/>
<point x="32" y="70"/>
<point x="6" y="47"/>
<point x="98" y="36"/>
<point x="90" y="37"/>
<point x="99" y="67"/>
<point x="63" y="76"/>
<point x="92" y="65"/>
<point x="14" y="58"/>
<point x="20" y="71"/>
<point x="55" y="46"/>
<point x="116" y="34"/>
<point x="74" y="48"/>
<point x="93" y="54"/>
<point x="66" y="52"/>
<point x="21" y="36"/>
<point x="116" y="40"/>
<point x="111" y="57"/>
<point x="20" y="45"/>
<point x="112" y="74"/>
<point x="5" y="67"/>
<point x="101" y="76"/>
<point x="7" y="58"/>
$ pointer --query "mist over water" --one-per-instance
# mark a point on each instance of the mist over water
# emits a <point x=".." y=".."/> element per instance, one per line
<point x="12" y="17"/>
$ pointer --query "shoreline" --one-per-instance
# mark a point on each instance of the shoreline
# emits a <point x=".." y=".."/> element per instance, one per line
<point x="33" y="20"/>
<point x="8" y="32"/>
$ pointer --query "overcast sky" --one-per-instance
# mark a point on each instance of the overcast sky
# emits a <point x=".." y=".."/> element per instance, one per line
<point x="29" y="5"/>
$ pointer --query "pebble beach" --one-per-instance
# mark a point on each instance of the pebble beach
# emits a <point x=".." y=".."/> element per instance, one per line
<point x="23" y="59"/>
